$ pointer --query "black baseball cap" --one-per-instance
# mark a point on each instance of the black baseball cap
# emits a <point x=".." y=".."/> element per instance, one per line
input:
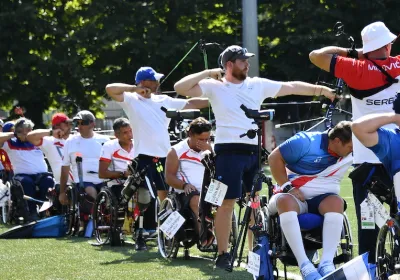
<point x="234" y="52"/>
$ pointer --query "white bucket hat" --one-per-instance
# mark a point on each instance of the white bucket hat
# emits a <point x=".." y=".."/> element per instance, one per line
<point x="375" y="36"/>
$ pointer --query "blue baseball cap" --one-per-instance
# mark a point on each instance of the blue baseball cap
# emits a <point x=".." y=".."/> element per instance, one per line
<point x="8" y="126"/>
<point x="147" y="73"/>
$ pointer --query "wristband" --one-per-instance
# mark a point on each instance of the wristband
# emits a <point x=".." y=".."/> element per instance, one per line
<point x="287" y="187"/>
<point x="184" y="185"/>
<point x="352" y="53"/>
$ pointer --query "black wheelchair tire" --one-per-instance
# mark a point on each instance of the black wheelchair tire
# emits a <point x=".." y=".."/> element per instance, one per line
<point x="72" y="211"/>
<point x="167" y="248"/>
<point x="385" y="255"/>
<point x="105" y="219"/>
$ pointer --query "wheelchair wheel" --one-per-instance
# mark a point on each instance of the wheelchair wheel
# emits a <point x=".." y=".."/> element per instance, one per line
<point x="104" y="217"/>
<point x="5" y="209"/>
<point x="72" y="211"/>
<point x="344" y="252"/>
<point x="386" y="256"/>
<point x="168" y="247"/>
<point x="261" y="219"/>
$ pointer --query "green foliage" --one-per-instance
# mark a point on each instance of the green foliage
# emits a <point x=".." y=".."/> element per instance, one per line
<point x="61" y="50"/>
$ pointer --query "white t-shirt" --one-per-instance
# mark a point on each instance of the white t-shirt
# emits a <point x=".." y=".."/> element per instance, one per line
<point x="149" y="123"/>
<point x="53" y="149"/>
<point x="226" y="99"/>
<point x="25" y="157"/>
<point x="190" y="170"/>
<point x="118" y="158"/>
<point x="90" y="150"/>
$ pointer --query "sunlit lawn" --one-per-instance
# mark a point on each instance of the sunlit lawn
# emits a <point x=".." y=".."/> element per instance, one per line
<point x="75" y="258"/>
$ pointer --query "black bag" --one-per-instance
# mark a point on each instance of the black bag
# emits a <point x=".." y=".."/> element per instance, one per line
<point x="376" y="179"/>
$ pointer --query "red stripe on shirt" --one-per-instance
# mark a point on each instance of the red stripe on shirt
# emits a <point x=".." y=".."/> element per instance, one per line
<point x="185" y="156"/>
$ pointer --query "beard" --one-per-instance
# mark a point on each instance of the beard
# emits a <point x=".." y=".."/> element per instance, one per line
<point x="239" y="74"/>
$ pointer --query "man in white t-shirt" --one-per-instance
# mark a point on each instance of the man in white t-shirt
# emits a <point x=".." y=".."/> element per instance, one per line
<point x="51" y="146"/>
<point x="149" y="122"/>
<point x="116" y="154"/>
<point x="86" y="145"/>
<point x="236" y="157"/>
<point x="183" y="168"/>
<point x="115" y="157"/>
<point x="28" y="162"/>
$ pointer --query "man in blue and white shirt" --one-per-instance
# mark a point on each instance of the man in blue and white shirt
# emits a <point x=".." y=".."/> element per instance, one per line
<point x="373" y="133"/>
<point x="308" y="167"/>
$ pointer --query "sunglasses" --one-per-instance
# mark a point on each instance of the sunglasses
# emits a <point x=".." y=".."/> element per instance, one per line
<point x="82" y="122"/>
<point x="235" y="53"/>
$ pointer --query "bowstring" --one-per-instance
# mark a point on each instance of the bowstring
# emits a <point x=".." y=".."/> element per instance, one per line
<point x="205" y="57"/>
<point x="179" y="62"/>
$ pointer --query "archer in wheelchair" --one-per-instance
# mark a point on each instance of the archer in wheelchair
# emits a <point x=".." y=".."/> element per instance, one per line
<point x="112" y="216"/>
<point x="308" y="168"/>
<point x="375" y="133"/>
<point x="29" y="167"/>
<point x="189" y="177"/>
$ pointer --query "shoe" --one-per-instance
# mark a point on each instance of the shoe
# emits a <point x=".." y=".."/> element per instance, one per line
<point x="326" y="267"/>
<point x="309" y="272"/>
<point x="223" y="261"/>
<point x="140" y="244"/>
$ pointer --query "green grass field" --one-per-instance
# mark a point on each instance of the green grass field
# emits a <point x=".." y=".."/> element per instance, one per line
<point x="76" y="258"/>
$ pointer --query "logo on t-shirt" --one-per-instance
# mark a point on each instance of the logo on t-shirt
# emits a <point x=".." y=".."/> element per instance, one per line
<point x="318" y="159"/>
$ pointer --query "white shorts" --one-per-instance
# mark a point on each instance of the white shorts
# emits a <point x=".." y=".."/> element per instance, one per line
<point x="273" y="209"/>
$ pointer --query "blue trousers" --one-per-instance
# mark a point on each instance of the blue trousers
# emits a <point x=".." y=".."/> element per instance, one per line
<point x="44" y="181"/>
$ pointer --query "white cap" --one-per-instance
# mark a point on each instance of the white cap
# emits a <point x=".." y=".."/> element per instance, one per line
<point x="375" y="36"/>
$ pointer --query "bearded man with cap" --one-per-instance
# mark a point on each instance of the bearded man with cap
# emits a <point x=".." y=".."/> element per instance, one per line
<point x="51" y="146"/>
<point x="142" y="105"/>
<point x="370" y="73"/>
<point x="236" y="157"/>
<point x="87" y="144"/>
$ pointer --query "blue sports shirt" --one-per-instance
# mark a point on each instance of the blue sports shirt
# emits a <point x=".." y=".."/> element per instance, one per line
<point x="388" y="149"/>
<point x="307" y="153"/>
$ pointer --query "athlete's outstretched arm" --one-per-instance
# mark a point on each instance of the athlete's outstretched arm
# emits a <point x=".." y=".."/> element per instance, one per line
<point x="365" y="127"/>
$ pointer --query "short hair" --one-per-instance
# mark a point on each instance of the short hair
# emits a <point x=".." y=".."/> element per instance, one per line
<point x="199" y="125"/>
<point x="342" y="130"/>
<point x="120" y="122"/>
<point x="23" y="123"/>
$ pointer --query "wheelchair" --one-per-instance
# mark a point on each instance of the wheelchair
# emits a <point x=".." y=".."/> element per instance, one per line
<point x="111" y="206"/>
<point x="387" y="243"/>
<point x="108" y="216"/>
<point x="5" y="201"/>
<point x="187" y="236"/>
<point x="311" y="230"/>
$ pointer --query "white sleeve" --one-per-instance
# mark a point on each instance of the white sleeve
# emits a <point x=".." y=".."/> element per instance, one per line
<point x="45" y="143"/>
<point x="207" y="86"/>
<point x="129" y="99"/>
<point x="269" y="88"/>
<point x="106" y="152"/>
<point x="175" y="103"/>
<point x="66" y="161"/>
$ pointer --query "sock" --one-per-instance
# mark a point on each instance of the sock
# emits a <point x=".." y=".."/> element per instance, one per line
<point x="331" y="231"/>
<point x="291" y="229"/>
